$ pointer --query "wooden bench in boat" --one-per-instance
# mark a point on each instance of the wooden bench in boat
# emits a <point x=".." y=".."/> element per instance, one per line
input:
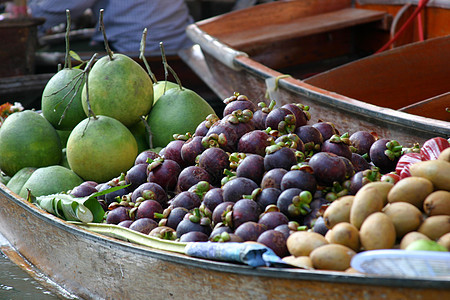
<point x="435" y="107"/>
<point x="412" y="78"/>
<point x="301" y="27"/>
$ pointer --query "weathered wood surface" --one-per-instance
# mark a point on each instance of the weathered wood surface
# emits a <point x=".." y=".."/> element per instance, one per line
<point x="273" y="33"/>
<point x="94" y="266"/>
<point x="436" y="107"/>
<point x="19" y="35"/>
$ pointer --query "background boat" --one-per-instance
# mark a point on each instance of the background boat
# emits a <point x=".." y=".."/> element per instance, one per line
<point x="25" y="71"/>
<point x="27" y="88"/>
<point x="317" y="44"/>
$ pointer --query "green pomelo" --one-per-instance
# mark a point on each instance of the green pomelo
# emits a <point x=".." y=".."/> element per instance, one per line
<point x="64" y="135"/>
<point x="64" y="161"/>
<point x="27" y="139"/>
<point x="119" y="88"/>
<point x="426" y="245"/>
<point x="176" y="112"/>
<point x="161" y="87"/>
<point x="57" y="95"/>
<point x="16" y="182"/>
<point x="50" y="180"/>
<point x="141" y="135"/>
<point x="101" y="148"/>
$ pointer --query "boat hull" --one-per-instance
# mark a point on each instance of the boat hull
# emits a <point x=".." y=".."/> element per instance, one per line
<point x="233" y="65"/>
<point x="94" y="266"/>
<point x="349" y="115"/>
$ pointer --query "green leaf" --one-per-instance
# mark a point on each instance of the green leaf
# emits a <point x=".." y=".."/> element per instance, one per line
<point x="57" y="207"/>
<point x="113" y="189"/>
<point x="4" y="178"/>
<point x="84" y="214"/>
<point x="47" y="204"/>
<point x="94" y="208"/>
<point x="75" y="56"/>
<point x="69" y="208"/>
<point x="85" y="209"/>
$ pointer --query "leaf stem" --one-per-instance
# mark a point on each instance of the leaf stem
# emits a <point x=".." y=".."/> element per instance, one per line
<point x="86" y="71"/>
<point x="102" y="28"/>
<point x="142" y="56"/>
<point x="67" y="61"/>
<point x="149" y="132"/>
<point x="167" y="67"/>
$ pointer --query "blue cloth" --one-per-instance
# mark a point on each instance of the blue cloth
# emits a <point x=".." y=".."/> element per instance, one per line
<point x="252" y="254"/>
<point x="165" y="20"/>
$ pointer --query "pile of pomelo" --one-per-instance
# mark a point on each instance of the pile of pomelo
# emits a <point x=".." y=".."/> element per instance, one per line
<point x="93" y="124"/>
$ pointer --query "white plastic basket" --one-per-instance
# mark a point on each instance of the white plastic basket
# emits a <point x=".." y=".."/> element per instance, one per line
<point x="395" y="262"/>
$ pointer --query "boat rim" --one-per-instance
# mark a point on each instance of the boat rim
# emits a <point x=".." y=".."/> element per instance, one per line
<point x="338" y="101"/>
<point x="292" y="274"/>
<point x="241" y="61"/>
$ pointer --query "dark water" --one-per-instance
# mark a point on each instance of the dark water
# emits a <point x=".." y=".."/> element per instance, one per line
<point x="15" y="283"/>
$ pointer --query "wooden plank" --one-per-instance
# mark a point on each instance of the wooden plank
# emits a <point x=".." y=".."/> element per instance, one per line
<point x="435" y="107"/>
<point x="435" y="16"/>
<point x="194" y="58"/>
<point x="276" y="12"/>
<point x="303" y="27"/>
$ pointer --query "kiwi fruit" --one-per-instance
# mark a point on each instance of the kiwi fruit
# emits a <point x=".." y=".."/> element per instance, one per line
<point x="366" y="202"/>
<point x="437" y="203"/>
<point x="377" y="232"/>
<point x="303" y="262"/>
<point x="332" y="257"/>
<point x="405" y="216"/>
<point x="301" y="243"/>
<point x="345" y="234"/>
<point x="411" y="189"/>
<point x="445" y="241"/>
<point x="435" y="226"/>
<point x="437" y="171"/>
<point x="411" y="237"/>
<point x="338" y="211"/>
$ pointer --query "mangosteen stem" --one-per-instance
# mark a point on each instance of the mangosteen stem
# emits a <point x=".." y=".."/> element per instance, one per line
<point x="277" y="79"/>
<point x="67" y="60"/>
<point x="272" y="104"/>
<point x="168" y="67"/>
<point x="142" y="56"/>
<point x="102" y="28"/>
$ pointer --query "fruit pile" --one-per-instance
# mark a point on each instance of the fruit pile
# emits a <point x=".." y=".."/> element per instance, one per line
<point x="261" y="173"/>
<point x="314" y="196"/>
<point x="93" y="122"/>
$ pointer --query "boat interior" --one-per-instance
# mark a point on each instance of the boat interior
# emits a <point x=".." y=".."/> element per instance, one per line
<point x="339" y="46"/>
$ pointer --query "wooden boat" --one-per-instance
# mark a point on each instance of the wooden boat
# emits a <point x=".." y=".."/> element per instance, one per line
<point x="328" y="49"/>
<point x="77" y="263"/>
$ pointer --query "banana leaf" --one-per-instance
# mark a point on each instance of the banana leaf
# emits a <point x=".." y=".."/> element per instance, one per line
<point x="84" y="209"/>
<point x="4" y="178"/>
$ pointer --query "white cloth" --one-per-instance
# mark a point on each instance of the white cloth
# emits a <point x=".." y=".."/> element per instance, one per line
<point x="165" y="20"/>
